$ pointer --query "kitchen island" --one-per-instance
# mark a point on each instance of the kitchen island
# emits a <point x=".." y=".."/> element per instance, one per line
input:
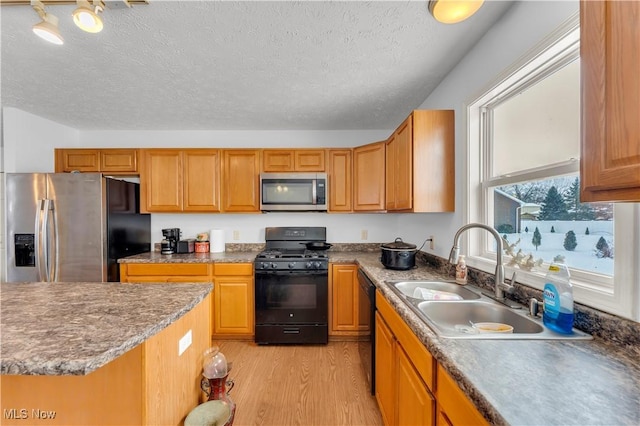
<point x="101" y="353"/>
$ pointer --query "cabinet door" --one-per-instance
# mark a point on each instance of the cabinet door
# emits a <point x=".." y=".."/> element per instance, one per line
<point x="161" y="180"/>
<point x="201" y="180"/>
<point x="345" y="301"/>
<point x="454" y="405"/>
<point x="433" y="133"/>
<point x="369" y="177"/>
<point x="309" y="160"/>
<point x="416" y="405"/>
<point x="119" y="161"/>
<point x="390" y="170"/>
<point x="340" y="180"/>
<point x="241" y="180"/>
<point x="233" y="306"/>
<point x="384" y="370"/>
<point x="82" y="160"/>
<point x="403" y="173"/>
<point x="610" y="62"/>
<point x="277" y="160"/>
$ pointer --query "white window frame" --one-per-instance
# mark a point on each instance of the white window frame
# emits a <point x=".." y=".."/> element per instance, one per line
<point x="619" y="296"/>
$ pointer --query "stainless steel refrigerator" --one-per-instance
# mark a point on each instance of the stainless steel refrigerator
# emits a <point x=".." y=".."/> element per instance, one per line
<point x="71" y="226"/>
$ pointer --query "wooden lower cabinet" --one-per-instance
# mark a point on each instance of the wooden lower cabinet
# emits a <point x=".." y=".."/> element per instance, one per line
<point x="232" y="304"/>
<point x="165" y="272"/>
<point x="454" y="408"/>
<point x="411" y="388"/>
<point x="233" y="301"/>
<point x="415" y="403"/>
<point x="348" y="315"/>
<point x="404" y="371"/>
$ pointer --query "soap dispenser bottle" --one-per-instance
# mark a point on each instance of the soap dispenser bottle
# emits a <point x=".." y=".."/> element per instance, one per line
<point x="461" y="271"/>
<point x="558" y="298"/>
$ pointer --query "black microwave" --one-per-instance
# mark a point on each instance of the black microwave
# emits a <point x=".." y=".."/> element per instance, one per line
<point x="293" y="192"/>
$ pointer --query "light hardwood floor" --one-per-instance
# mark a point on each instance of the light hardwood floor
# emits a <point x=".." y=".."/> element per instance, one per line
<point x="299" y="385"/>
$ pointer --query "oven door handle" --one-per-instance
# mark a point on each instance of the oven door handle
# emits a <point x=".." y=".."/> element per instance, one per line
<point x="289" y="273"/>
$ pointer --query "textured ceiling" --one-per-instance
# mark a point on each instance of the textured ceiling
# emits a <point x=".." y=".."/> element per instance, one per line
<point x="207" y="65"/>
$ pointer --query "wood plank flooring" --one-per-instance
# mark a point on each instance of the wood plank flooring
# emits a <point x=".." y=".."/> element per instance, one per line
<point x="299" y="385"/>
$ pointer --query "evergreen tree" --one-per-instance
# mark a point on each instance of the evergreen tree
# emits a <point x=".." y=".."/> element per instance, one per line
<point x="587" y="231"/>
<point x="570" y="242"/>
<point x="526" y="229"/>
<point x="553" y="230"/>
<point x="553" y="206"/>
<point x="577" y="210"/>
<point x="603" y="249"/>
<point x="537" y="238"/>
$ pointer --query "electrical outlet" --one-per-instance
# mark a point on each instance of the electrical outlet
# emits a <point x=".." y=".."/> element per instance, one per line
<point x="236" y="235"/>
<point x="432" y="243"/>
<point x="364" y="235"/>
<point x="185" y="342"/>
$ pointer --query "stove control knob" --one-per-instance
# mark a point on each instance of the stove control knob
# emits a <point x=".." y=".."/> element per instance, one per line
<point x="264" y="265"/>
<point x="274" y="265"/>
<point x="316" y="265"/>
<point x="308" y="265"/>
<point x="292" y="265"/>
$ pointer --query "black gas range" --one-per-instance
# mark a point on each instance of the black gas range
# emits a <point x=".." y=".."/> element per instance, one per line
<point x="291" y="287"/>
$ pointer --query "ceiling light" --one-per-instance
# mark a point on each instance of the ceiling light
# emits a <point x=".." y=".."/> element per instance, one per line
<point x="47" y="29"/>
<point x="453" y="11"/>
<point x="86" y="17"/>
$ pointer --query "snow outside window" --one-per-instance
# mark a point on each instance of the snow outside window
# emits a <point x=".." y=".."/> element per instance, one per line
<point x="523" y="154"/>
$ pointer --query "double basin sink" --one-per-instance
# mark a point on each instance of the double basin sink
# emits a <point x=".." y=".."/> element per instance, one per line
<point x="460" y="308"/>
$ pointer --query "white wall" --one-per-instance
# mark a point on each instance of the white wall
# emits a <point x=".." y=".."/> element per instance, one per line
<point x="523" y="26"/>
<point x="30" y="140"/>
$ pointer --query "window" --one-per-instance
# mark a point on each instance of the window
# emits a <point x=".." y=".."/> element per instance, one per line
<point x="524" y="148"/>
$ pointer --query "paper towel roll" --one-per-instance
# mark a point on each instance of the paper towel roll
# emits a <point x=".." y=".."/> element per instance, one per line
<point x="216" y="240"/>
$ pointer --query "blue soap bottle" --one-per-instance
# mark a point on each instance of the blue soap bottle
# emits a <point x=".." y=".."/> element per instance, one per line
<point x="558" y="298"/>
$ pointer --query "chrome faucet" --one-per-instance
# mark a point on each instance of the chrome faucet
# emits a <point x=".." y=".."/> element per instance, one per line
<point x="500" y="285"/>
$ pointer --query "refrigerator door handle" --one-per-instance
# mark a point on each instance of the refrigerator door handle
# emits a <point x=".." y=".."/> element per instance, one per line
<point x="53" y="238"/>
<point x="40" y="242"/>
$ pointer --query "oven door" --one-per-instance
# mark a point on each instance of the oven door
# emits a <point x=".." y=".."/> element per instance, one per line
<point x="291" y="297"/>
<point x="291" y="307"/>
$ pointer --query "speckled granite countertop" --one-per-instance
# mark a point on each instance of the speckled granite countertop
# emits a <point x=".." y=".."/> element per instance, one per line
<point x="514" y="382"/>
<point x="76" y="328"/>
<point x="224" y="257"/>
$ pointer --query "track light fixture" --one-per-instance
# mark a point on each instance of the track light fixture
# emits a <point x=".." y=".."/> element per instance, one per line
<point x="47" y="29"/>
<point x="453" y="11"/>
<point x="86" y="16"/>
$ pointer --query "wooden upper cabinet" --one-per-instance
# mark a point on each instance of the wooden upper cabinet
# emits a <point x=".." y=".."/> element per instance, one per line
<point x="108" y="160"/>
<point x="288" y="160"/>
<point x="176" y="180"/>
<point x="369" y="177"/>
<point x="340" y="180"/>
<point x="241" y="180"/>
<point x="399" y="170"/>
<point x="161" y="180"/>
<point x="420" y="163"/>
<point x="201" y="173"/>
<point x="610" y="64"/>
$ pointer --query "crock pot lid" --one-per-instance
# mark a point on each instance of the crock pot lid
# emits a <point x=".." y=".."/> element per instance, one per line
<point x="399" y="244"/>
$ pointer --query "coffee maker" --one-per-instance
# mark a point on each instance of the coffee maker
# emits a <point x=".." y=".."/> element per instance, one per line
<point x="170" y="242"/>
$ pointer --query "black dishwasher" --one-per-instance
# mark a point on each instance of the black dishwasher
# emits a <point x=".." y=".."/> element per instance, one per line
<point x="366" y="348"/>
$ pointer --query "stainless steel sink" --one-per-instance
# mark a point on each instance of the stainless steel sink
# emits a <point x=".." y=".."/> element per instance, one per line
<point x="454" y="320"/>
<point x="408" y="288"/>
